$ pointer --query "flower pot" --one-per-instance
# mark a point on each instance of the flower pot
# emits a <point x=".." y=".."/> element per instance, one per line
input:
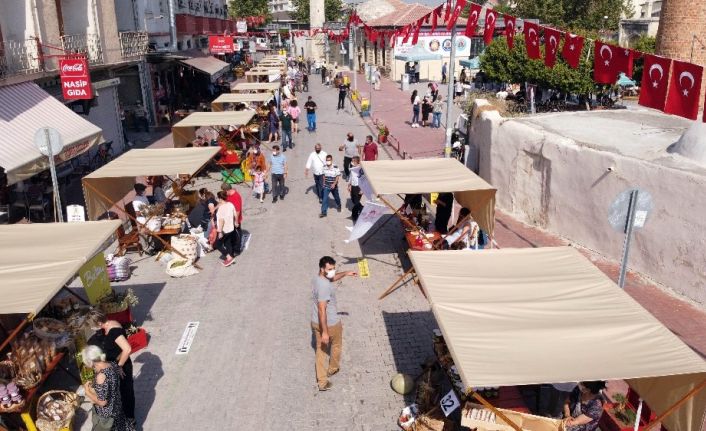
<point x="138" y="340"/>
<point x="382" y="139"/>
<point x="123" y="317"/>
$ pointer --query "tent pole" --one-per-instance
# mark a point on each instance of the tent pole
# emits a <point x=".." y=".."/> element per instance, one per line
<point x="494" y="409"/>
<point x="396" y="283"/>
<point x="675" y="406"/>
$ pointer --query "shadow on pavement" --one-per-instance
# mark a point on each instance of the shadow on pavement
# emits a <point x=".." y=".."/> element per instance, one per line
<point x="145" y="383"/>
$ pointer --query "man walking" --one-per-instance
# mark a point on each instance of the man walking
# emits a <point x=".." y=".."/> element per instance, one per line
<point x="443" y="73"/>
<point x="354" y="188"/>
<point x="310" y="107"/>
<point x="285" y="120"/>
<point x="342" y="91"/>
<point x="325" y="322"/>
<point x="324" y="73"/>
<point x="278" y="166"/>
<point x="370" y="149"/>
<point x="237" y="201"/>
<point x="316" y="163"/>
<point x="331" y="177"/>
<point x="350" y="149"/>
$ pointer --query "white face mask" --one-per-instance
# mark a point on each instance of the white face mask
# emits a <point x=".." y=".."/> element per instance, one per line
<point x="274" y="153"/>
<point x="330" y="274"/>
<point x="329" y="162"/>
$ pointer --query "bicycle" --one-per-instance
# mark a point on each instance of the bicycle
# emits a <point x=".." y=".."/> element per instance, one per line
<point x="104" y="155"/>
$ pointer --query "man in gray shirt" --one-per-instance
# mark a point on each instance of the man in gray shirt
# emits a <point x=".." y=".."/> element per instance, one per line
<point x="350" y="149"/>
<point x="325" y="322"/>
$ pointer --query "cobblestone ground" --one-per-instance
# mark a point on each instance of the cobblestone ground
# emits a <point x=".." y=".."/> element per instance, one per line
<point x="251" y="365"/>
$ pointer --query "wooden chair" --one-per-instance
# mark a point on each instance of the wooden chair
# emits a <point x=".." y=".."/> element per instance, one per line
<point x="130" y="240"/>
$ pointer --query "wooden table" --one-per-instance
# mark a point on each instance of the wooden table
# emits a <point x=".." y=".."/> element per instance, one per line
<point x="411" y="238"/>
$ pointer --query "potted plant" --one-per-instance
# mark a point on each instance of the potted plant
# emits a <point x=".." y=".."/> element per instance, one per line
<point x="619" y="415"/>
<point x="383" y="132"/>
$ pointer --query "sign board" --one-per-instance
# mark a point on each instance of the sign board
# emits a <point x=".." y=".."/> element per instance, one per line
<point x="220" y="44"/>
<point x="75" y="213"/>
<point x="363" y="268"/>
<point x="187" y="338"/>
<point x="449" y="403"/>
<point x="618" y="212"/>
<point x="438" y="42"/>
<point x="47" y="138"/>
<point x="241" y="27"/>
<point x="75" y="78"/>
<point x="94" y="276"/>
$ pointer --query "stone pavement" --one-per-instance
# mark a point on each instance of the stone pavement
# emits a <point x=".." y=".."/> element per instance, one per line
<point x="251" y="365"/>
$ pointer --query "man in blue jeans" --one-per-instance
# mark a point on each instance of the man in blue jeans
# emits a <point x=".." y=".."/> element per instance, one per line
<point x="331" y="176"/>
<point x="286" y="121"/>
<point x="278" y="167"/>
<point x="310" y="106"/>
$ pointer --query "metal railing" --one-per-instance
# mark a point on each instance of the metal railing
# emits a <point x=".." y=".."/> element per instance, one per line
<point x="89" y="44"/>
<point x="133" y="44"/>
<point x="19" y="57"/>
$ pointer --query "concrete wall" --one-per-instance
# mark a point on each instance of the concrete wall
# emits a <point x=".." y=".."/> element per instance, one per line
<point x="552" y="182"/>
<point x="78" y="17"/>
<point x="16" y="20"/>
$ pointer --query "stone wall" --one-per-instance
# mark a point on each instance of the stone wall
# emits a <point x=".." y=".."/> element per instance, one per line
<point x="558" y="185"/>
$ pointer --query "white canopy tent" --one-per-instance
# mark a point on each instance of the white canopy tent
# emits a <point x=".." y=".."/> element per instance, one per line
<point x="548" y="315"/>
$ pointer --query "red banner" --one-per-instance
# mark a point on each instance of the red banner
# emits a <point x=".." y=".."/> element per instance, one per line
<point x="220" y="44"/>
<point x="655" y="80"/>
<point x="684" y="90"/>
<point x="75" y="79"/>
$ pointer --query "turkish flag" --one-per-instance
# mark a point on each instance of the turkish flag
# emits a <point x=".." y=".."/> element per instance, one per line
<point x="510" y="28"/>
<point x="684" y="90"/>
<point x="435" y="16"/>
<point x="551" y="46"/>
<point x="407" y="33"/>
<point x="573" y="47"/>
<point x="472" y="20"/>
<point x="532" y="40"/>
<point x="655" y="81"/>
<point x="609" y="61"/>
<point x="415" y="39"/>
<point x="447" y="10"/>
<point x="460" y="4"/>
<point x="490" y="18"/>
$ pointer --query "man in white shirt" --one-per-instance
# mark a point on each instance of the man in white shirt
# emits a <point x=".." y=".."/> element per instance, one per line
<point x="315" y="163"/>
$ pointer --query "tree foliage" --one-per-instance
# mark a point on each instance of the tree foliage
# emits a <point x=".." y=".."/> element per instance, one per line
<point x="646" y="44"/>
<point x="575" y="14"/>
<point x="333" y="10"/>
<point x="244" y="8"/>
<point x="502" y="65"/>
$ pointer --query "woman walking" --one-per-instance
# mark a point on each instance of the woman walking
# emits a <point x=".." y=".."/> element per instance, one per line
<point x="438" y="107"/>
<point x="103" y="391"/>
<point x="226" y="220"/>
<point x="111" y="338"/>
<point x="426" y="110"/>
<point x="273" y="120"/>
<point x="416" y="107"/>
<point x="294" y="112"/>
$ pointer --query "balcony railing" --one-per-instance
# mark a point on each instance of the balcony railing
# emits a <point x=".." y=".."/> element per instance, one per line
<point x="19" y="57"/>
<point x="133" y="44"/>
<point x="88" y="44"/>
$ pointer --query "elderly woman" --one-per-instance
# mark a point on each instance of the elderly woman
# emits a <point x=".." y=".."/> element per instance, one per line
<point x="584" y="407"/>
<point x="104" y="392"/>
<point x="110" y="337"/>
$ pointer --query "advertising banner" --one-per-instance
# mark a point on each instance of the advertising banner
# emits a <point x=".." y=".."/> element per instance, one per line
<point x="220" y="44"/>
<point x="94" y="276"/>
<point x="241" y="27"/>
<point x="438" y="42"/>
<point x="75" y="79"/>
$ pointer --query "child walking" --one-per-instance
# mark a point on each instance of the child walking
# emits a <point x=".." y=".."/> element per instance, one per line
<point x="258" y="183"/>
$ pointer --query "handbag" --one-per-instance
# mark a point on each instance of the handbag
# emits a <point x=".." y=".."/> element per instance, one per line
<point x="101" y="423"/>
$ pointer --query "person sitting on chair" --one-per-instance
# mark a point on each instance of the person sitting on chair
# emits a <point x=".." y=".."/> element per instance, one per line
<point x="465" y="233"/>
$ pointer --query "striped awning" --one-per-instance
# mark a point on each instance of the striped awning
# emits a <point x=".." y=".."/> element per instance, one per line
<point x="24" y="108"/>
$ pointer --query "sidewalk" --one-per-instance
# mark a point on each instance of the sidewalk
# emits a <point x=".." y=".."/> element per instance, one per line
<point x="391" y="106"/>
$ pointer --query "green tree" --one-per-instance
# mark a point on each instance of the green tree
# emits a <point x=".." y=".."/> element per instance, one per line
<point x="644" y="44"/>
<point x="243" y="8"/>
<point x="333" y="10"/>
<point x="579" y="14"/>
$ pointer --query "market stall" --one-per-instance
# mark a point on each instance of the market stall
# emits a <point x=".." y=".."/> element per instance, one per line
<point x="221" y="102"/>
<point x="254" y="87"/>
<point x="548" y="315"/>
<point x="184" y="131"/>
<point x="263" y="75"/>
<point x="105" y="187"/>
<point x="36" y="262"/>
<point x="425" y="176"/>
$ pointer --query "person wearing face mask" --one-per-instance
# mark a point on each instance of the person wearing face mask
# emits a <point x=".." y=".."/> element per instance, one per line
<point x="325" y="322"/>
<point x="331" y="176"/>
<point x="315" y="163"/>
<point x="278" y="168"/>
<point x="350" y="149"/>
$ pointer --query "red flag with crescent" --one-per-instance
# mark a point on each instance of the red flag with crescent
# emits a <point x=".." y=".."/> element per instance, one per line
<point x="472" y="20"/>
<point x="655" y="81"/>
<point x="510" y="29"/>
<point x="551" y="46"/>
<point x="684" y="90"/>
<point x="532" y="40"/>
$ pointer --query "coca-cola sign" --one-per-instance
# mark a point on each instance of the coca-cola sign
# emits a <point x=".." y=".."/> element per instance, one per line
<point x="75" y="79"/>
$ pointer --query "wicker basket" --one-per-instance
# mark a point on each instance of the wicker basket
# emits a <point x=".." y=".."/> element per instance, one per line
<point x="68" y="401"/>
<point x="8" y="370"/>
<point x="186" y="245"/>
<point x="29" y="380"/>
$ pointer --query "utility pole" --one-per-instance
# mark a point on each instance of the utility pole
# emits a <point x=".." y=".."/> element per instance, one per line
<point x="450" y="92"/>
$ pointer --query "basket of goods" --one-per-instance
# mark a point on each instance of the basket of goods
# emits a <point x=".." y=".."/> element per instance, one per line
<point x="116" y="302"/>
<point x="153" y="214"/>
<point x="11" y="400"/>
<point x="172" y="222"/>
<point x="53" y="330"/>
<point x="56" y="410"/>
<point x="32" y="357"/>
<point x="186" y="245"/>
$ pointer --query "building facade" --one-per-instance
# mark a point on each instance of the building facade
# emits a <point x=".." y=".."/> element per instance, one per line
<point x="644" y="21"/>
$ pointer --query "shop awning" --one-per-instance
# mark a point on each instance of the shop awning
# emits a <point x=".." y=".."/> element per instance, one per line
<point x="38" y="259"/>
<point x="209" y="65"/>
<point x="184" y="131"/>
<point x="417" y="53"/>
<point x="109" y="184"/>
<point x="254" y="86"/>
<point x="217" y="104"/>
<point x="389" y="177"/>
<point x="24" y="108"/>
<point x="548" y="315"/>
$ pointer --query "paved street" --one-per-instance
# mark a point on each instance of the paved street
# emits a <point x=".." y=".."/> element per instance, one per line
<point x="251" y="365"/>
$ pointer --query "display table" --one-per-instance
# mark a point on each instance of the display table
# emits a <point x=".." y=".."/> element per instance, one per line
<point x="427" y="245"/>
<point x="31" y="394"/>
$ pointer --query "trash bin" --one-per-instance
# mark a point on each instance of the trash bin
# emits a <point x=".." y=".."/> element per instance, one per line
<point x="405" y="81"/>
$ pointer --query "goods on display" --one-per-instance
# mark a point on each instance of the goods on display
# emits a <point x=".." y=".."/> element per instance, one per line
<point x="476" y="416"/>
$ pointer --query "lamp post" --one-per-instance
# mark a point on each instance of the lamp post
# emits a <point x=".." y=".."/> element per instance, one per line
<point x="450" y="92"/>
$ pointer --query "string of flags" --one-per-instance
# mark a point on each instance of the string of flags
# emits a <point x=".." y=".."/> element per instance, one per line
<point x="668" y="85"/>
